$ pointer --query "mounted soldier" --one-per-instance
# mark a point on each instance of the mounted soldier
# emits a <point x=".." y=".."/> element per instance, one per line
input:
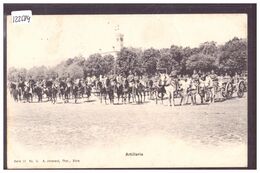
<point x="21" y="88"/>
<point x="14" y="91"/>
<point x="130" y="80"/>
<point x="184" y="86"/>
<point x="193" y="90"/>
<point x="119" y="87"/>
<point x="54" y="90"/>
<point x="38" y="89"/>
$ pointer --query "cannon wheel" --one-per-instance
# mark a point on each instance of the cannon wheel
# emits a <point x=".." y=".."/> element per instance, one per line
<point x="241" y="89"/>
<point x="229" y="90"/>
<point x="223" y="92"/>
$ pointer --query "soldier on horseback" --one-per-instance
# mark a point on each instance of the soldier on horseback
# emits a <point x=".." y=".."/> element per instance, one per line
<point x="194" y="87"/>
<point x="210" y="87"/>
<point x="184" y="87"/>
<point x="119" y="87"/>
<point x="14" y="91"/>
<point x="54" y="90"/>
<point x="39" y="89"/>
<point x="28" y="92"/>
<point x="135" y="85"/>
<point x="21" y="87"/>
<point x="130" y="79"/>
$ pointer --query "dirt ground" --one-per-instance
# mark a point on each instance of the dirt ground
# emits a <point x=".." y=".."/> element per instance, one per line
<point x="99" y="135"/>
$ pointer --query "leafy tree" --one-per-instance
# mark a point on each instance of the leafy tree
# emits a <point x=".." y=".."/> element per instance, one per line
<point x="233" y="55"/>
<point x="108" y="64"/>
<point x="98" y="65"/>
<point x="149" y="60"/>
<point x="38" y="72"/>
<point x="61" y="69"/>
<point x="51" y="74"/>
<point x="208" y="48"/>
<point x="13" y="74"/>
<point x="187" y="52"/>
<point x="128" y="59"/>
<point x="91" y="65"/>
<point x="176" y="53"/>
<point x="166" y="61"/>
<point x="200" y="62"/>
<point x="75" y="71"/>
<point x="69" y="61"/>
<point x="79" y="60"/>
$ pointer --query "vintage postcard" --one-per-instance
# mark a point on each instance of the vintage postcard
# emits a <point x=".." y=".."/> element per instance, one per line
<point x="126" y="90"/>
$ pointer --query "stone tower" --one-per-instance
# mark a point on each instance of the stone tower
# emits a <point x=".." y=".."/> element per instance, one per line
<point x="119" y="39"/>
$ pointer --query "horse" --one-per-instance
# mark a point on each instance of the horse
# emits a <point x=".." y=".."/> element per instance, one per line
<point x="193" y="91"/>
<point x="152" y="89"/>
<point x="110" y="88"/>
<point x="214" y="85"/>
<point x="48" y="90"/>
<point x="14" y="91"/>
<point x="160" y="90"/>
<point x="127" y="90"/>
<point x="211" y="89"/>
<point x="167" y="87"/>
<point x="77" y="90"/>
<point x="38" y="91"/>
<point x="171" y="88"/>
<point x="21" y="88"/>
<point x="119" y="88"/>
<point x="106" y="89"/>
<point x="15" y="94"/>
<point x="203" y="91"/>
<point x="12" y="87"/>
<point x="67" y="91"/>
<point x="28" y="94"/>
<point x="54" y="92"/>
<point x="148" y="86"/>
<point x="140" y="91"/>
<point x="87" y="90"/>
<point x="62" y="88"/>
<point x="184" y="91"/>
<point x="206" y="90"/>
<point x="101" y="90"/>
<point x="81" y="89"/>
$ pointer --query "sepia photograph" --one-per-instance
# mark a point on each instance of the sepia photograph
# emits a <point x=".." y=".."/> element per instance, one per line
<point x="126" y="90"/>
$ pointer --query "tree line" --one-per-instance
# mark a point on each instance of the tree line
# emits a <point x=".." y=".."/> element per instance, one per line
<point x="229" y="58"/>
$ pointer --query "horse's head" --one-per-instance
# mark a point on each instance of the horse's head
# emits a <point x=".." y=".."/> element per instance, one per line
<point x="99" y="84"/>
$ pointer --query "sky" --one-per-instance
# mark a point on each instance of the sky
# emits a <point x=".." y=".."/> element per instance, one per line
<point x="50" y="39"/>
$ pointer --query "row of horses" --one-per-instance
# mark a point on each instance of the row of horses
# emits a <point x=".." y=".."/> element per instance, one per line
<point x="112" y="90"/>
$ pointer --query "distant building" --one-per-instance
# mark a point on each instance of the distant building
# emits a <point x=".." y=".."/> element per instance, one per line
<point x="119" y="41"/>
<point x="119" y="44"/>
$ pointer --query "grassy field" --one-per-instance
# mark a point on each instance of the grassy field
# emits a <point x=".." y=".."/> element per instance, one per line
<point x="100" y="135"/>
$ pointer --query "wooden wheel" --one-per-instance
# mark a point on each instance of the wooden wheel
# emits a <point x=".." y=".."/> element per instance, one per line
<point x="241" y="89"/>
<point x="229" y="90"/>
